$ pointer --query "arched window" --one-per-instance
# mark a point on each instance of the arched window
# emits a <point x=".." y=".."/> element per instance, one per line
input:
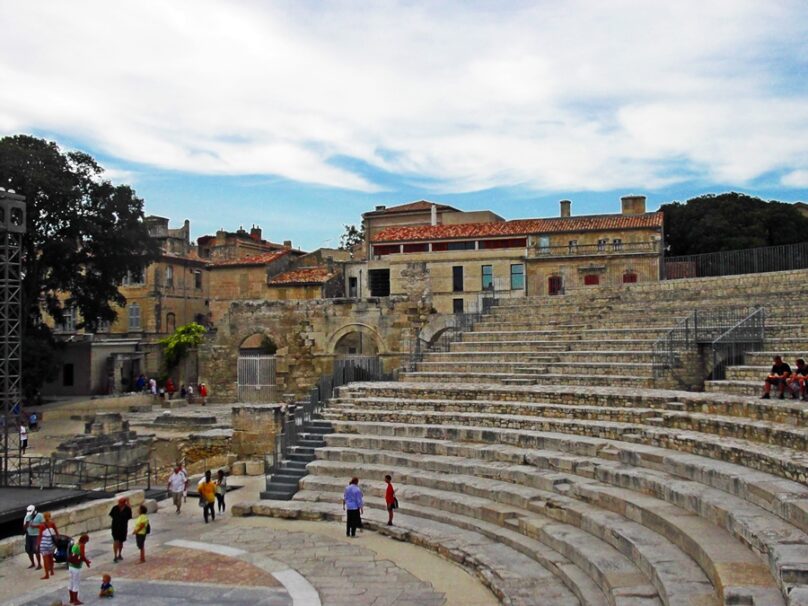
<point x="171" y="322"/>
<point x="629" y="277"/>
<point x="134" y="316"/>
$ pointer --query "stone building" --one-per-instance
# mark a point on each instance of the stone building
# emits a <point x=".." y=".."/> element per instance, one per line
<point x="468" y="256"/>
<point x="226" y="245"/>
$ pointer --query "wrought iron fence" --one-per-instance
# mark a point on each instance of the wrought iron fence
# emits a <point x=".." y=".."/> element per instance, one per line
<point x="702" y="326"/>
<point x="732" y="262"/>
<point x="75" y="473"/>
<point x="256" y="379"/>
<point x="728" y="348"/>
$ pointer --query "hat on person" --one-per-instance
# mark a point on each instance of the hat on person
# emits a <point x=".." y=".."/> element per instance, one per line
<point x="31" y="509"/>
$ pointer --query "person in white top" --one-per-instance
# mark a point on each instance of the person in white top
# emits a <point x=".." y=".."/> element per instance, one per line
<point x="177" y="484"/>
<point x="23" y="438"/>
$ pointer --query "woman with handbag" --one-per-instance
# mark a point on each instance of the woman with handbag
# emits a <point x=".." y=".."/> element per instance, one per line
<point x="353" y="502"/>
<point x="46" y="544"/>
<point x="390" y="499"/>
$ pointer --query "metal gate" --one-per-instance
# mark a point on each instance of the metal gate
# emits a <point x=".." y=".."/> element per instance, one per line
<point x="256" y="379"/>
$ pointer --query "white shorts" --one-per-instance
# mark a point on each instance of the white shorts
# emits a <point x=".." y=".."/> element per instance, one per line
<point x="75" y="579"/>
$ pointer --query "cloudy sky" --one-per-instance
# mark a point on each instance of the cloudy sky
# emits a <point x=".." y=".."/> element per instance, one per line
<point x="299" y="116"/>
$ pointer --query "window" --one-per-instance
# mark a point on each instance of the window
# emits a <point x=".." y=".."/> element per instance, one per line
<point x="103" y="326"/>
<point x="617" y="244"/>
<point x="506" y="243"/>
<point x="67" y="375"/>
<point x="69" y="322"/>
<point x="602" y="244"/>
<point x="629" y="277"/>
<point x="457" y="278"/>
<point x="572" y="247"/>
<point x="517" y="277"/>
<point x="197" y="279"/>
<point x="379" y="282"/>
<point x="555" y="285"/>
<point x="591" y="280"/>
<point x="414" y="248"/>
<point x="387" y="249"/>
<point x="544" y="244"/>
<point x="457" y="306"/>
<point x="169" y="277"/>
<point x="465" y="245"/>
<point x="133" y="278"/>
<point x="488" y="277"/>
<point x="134" y="316"/>
<point x="171" y="322"/>
<point x="353" y="288"/>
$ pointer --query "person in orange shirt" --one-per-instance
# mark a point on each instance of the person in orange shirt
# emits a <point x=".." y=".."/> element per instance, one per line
<point x="207" y="496"/>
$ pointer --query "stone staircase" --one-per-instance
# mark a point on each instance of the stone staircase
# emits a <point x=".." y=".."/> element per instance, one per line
<point x="283" y="484"/>
<point x="569" y="490"/>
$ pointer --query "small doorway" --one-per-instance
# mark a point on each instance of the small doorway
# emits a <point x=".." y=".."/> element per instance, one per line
<point x="555" y="285"/>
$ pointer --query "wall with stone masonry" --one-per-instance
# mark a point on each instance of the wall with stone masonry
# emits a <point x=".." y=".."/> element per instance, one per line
<point x="255" y="428"/>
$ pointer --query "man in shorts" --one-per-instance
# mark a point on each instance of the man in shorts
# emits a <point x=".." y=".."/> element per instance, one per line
<point x="779" y="376"/>
<point x="120" y="514"/>
<point x="177" y="484"/>
<point x="33" y="520"/>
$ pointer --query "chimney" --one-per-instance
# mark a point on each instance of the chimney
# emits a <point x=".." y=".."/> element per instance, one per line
<point x="287" y="244"/>
<point x="633" y="205"/>
<point x="565" y="207"/>
<point x="434" y="214"/>
<point x="255" y="233"/>
<point x="381" y="207"/>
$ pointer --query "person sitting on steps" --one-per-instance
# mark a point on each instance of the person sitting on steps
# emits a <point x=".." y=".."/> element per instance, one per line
<point x="779" y="376"/>
<point x="797" y="382"/>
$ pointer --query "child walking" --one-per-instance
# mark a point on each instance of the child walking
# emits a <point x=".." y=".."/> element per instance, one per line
<point x="221" y="489"/>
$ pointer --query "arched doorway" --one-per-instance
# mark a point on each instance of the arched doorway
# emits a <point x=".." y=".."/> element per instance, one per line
<point x="356" y="355"/>
<point x="257" y="380"/>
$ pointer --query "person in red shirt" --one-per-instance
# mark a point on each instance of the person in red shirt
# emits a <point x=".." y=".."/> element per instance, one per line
<point x="390" y="499"/>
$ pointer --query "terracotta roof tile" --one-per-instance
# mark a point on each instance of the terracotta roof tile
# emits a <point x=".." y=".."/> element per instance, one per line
<point x="519" y="227"/>
<point x="261" y="259"/>
<point x="304" y="275"/>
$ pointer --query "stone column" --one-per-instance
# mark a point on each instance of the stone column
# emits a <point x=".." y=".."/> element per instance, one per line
<point x="254" y="429"/>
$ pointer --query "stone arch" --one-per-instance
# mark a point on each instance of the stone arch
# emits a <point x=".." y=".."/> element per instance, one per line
<point x="257" y="342"/>
<point x="439" y="325"/>
<point x="364" y="330"/>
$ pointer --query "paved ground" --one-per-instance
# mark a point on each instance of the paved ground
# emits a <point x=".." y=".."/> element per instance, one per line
<point x="241" y="561"/>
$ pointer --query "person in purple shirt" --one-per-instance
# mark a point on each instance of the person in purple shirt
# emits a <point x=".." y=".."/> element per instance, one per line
<point x="354" y="504"/>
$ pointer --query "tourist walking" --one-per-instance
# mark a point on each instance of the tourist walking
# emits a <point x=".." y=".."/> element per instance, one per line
<point x="31" y="524"/>
<point x="354" y="504"/>
<point x="33" y="422"/>
<point x="120" y="514"/>
<point x="142" y="528"/>
<point x="153" y="387"/>
<point x="46" y="543"/>
<point x="77" y="557"/>
<point x="177" y="485"/>
<point x="23" y="438"/>
<point x="390" y="499"/>
<point x="170" y="387"/>
<point x="221" y="489"/>
<point x="207" y="496"/>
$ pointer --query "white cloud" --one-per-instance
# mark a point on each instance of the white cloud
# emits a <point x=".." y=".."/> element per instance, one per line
<point x="580" y="95"/>
<point x="796" y="178"/>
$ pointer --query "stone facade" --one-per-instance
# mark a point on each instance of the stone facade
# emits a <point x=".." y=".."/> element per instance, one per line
<point x="255" y="428"/>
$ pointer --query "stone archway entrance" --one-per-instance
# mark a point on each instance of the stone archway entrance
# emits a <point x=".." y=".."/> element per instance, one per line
<point x="256" y="370"/>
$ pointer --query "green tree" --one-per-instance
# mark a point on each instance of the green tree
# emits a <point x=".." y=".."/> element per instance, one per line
<point x="730" y="221"/>
<point x="84" y="235"/>
<point x="177" y="344"/>
<point x="352" y="237"/>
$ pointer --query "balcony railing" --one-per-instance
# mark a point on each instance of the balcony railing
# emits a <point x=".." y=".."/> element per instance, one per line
<point x="590" y="250"/>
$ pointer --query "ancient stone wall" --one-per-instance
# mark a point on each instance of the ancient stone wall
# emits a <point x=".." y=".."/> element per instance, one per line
<point x="255" y="428"/>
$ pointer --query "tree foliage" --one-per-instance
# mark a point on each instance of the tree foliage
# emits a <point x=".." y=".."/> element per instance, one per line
<point x="730" y="221"/>
<point x="176" y="345"/>
<point x="83" y="236"/>
<point x="352" y="237"/>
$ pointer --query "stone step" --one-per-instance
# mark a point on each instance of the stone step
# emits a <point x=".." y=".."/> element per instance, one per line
<point x="601" y="510"/>
<point x="764" y="358"/>
<point x="648" y="496"/>
<point x="739" y="388"/>
<point x="616" y="575"/>
<point x="476" y="366"/>
<point x="786" y="412"/>
<point x="509" y="572"/>
<point x="497" y="356"/>
<point x="777" y="460"/>
<point x="554" y="345"/>
<point x="529" y="379"/>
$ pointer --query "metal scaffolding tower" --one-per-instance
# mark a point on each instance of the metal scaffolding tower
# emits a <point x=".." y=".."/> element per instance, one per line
<point x="12" y="230"/>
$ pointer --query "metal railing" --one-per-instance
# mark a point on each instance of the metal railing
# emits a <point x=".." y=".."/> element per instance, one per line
<point x="299" y="415"/>
<point x="732" y="262"/>
<point x="729" y="348"/>
<point x="588" y="250"/>
<point x="77" y="474"/>
<point x="702" y="326"/>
